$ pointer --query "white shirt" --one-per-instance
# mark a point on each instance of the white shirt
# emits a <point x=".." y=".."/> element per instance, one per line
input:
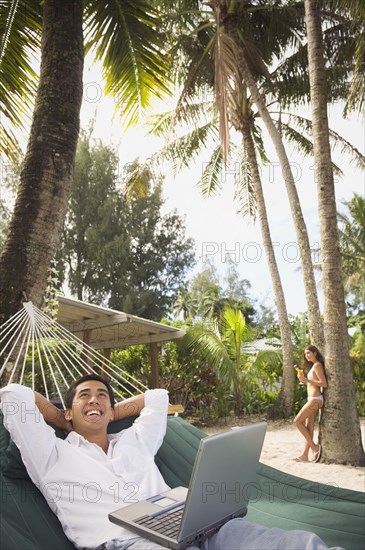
<point x="80" y="482"/>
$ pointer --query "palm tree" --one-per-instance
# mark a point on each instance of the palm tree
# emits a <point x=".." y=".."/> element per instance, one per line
<point x="224" y="342"/>
<point x="221" y="341"/>
<point x="222" y="22"/>
<point x="287" y="386"/>
<point x="231" y="26"/>
<point x="341" y="436"/>
<point x="123" y="35"/>
<point x="185" y="304"/>
<point x="46" y="175"/>
<point x="237" y="54"/>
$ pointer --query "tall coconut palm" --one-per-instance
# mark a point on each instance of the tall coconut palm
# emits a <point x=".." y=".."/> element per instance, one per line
<point x="231" y="102"/>
<point x="241" y="54"/>
<point x="230" y="24"/>
<point x="341" y="436"/>
<point x="287" y="387"/>
<point x="235" y="32"/>
<point x="46" y="175"/>
<point x="124" y="36"/>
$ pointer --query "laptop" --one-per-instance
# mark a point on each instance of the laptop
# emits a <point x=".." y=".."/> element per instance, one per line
<point x="224" y="472"/>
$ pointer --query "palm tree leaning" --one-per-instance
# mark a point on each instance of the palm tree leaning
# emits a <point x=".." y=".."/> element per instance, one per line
<point x="123" y="35"/>
<point x="46" y="175"/>
<point x="341" y="436"/>
<point x="287" y="386"/>
<point x="229" y="23"/>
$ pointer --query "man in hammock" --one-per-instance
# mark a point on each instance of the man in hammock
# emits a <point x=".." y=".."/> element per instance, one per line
<point x="90" y="473"/>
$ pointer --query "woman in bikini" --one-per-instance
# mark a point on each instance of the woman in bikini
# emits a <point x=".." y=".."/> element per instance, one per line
<point x="304" y="421"/>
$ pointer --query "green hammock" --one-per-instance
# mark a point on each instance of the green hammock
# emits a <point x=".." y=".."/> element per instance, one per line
<point x="277" y="499"/>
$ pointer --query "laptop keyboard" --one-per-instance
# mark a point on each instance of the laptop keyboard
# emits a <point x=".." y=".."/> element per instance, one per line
<point x="167" y="523"/>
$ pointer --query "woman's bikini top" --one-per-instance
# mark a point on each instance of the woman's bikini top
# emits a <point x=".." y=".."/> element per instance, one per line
<point x="310" y="375"/>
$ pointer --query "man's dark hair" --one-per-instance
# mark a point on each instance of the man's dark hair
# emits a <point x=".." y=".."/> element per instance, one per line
<point x="69" y="397"/>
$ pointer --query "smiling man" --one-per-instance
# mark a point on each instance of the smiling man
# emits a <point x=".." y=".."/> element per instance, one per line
<point x="90" y="408"/>
<point x="91" y="473"/>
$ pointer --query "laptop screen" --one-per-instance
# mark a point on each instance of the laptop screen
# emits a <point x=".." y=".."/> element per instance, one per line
<point x="223" y="475"/>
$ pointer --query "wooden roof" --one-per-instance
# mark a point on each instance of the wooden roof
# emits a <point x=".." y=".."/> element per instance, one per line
<point x="105" y="328"/>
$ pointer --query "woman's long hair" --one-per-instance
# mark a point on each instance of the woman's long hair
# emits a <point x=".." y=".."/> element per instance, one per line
<point x="319" y="356"/>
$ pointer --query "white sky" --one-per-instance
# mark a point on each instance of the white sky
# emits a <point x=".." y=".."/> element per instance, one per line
<point x="213" y="222"/>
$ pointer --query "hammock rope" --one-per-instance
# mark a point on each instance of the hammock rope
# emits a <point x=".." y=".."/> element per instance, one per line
<point x="33" y="344"/>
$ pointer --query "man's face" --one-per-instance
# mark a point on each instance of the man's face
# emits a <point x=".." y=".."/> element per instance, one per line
<point x="91" y="409"/>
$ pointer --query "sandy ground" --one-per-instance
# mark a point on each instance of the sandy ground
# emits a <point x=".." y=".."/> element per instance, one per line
<point x="283" y="442"/>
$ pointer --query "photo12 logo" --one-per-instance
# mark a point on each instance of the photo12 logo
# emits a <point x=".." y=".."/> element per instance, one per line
<point x="270" y="491"/>
<point x="252" y="252"/>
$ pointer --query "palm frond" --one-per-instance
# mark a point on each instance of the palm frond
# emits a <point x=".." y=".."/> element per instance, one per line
<point x="126" y="39"/>
<point x="9" y="145"/>
<point x="348" y="149"/>
<point x="20" y="32"/>
<point x="305" y="125"/>
<point x="210" y="181"/>
<point x="259" y="143"/>
<point x="270" y="357"/>
<point x="183" y="151"/>
<point x="244" y="193"/>
<point x="234" y="330"/>
<point x="356" y="97"/>
<point x="352" y="243"/>
<point x="192" y="85"/>
<point x="196" y="114"/>
<point x="206" y="337"/>
<point x="304" y="144"/>
<point x="227" y="81"/>
<point x="291" y="75"/>
<point x="137" y="181"/>
<point x="293" y="135"/>
<point x="272" y="28"/>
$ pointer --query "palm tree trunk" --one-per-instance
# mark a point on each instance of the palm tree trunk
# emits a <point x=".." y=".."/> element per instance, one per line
<point x="340" y="433"/>
<point x="287" y="384"/>
<point x="315" y="324"/>
<point x="47" y="171"/>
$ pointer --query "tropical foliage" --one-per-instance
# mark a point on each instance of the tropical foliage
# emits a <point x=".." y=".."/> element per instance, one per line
<point x="123" y="35"/>
<point x="352" y="243"/>
<point x="357" y="354"/>
<point x="223" y="341"/>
